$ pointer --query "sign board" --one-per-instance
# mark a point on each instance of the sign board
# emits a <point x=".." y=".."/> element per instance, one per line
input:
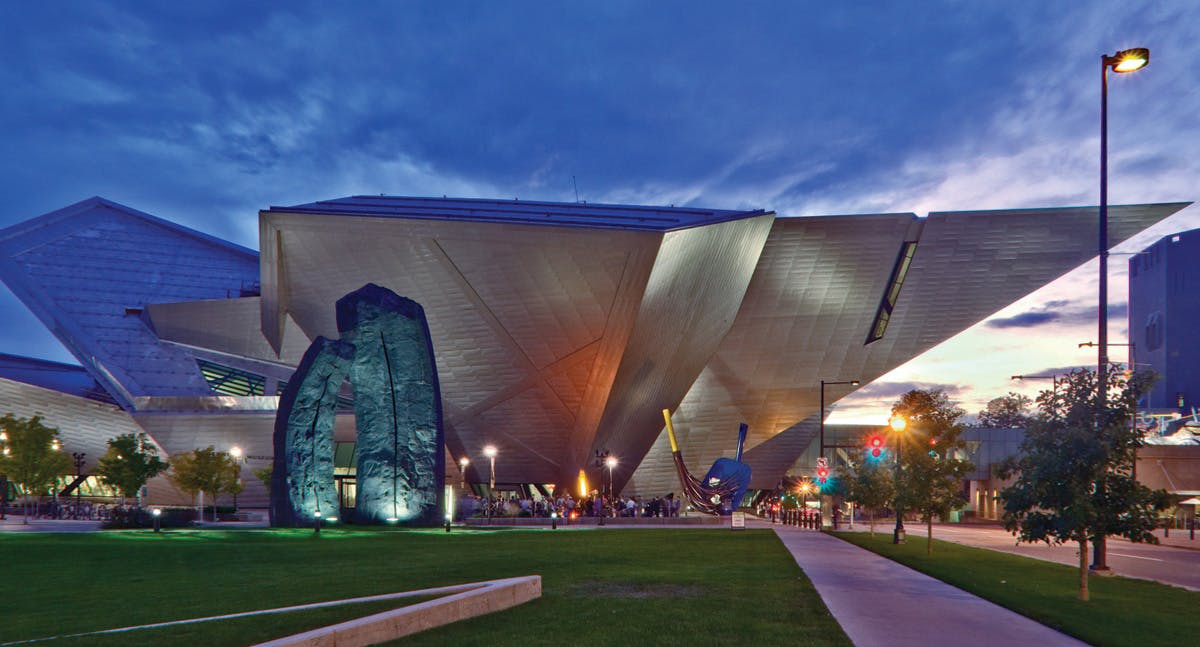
<point x="737" y="521"/>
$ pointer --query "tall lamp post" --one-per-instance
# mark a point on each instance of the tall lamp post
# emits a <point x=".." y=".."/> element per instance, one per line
<point x="490" y="453"/>
<point x="611" y="463"/>
<point x="1129" y="60"/>
<point x="898" y="424"/>
<point x="462" y="467"/>
<point x="236" y="453"/>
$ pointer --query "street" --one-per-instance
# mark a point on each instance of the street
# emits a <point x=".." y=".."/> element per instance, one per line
<point x="1166" y="564"/>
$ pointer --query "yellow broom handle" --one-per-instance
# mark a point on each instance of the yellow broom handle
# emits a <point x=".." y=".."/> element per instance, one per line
<point x="670" y="430"/>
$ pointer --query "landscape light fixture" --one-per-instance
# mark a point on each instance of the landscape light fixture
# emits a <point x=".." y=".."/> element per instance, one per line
<point x="1128" y="60"/>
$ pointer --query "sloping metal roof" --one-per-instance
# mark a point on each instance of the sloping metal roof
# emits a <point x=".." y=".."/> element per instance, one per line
<point x="560" y="214"/>
<point x="88" y="270"/>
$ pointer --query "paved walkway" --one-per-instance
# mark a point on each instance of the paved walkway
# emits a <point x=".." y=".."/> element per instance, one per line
<point x="880" y="602"/>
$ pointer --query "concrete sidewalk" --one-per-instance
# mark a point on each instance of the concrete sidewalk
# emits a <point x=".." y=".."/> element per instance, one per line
<point x="880" y="602"/>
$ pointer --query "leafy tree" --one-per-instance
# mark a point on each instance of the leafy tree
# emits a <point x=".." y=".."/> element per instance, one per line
<point x="1074" y="474"/>
<point x="930" y="474"/>
<point x="31" y="455"/>
<point x="263" y="474"/>
<point x="868" y="483"/>
<point x="1011" y="411"/>
<point x="205" y="471"/>
<point x="131" y="461"/>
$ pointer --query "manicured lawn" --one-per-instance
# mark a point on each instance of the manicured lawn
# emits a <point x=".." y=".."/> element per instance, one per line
<point x="1121" y="611"/>
<point x="602" y="587"/>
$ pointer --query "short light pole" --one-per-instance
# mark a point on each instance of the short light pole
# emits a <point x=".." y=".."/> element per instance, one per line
<point x="898" y="424"/>
<point x="157" y="514"/>
<point x="1129" y="60"/>
<point x="490" y="453"/>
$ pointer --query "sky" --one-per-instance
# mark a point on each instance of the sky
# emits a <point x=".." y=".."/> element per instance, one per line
<point x="204" y="113"/>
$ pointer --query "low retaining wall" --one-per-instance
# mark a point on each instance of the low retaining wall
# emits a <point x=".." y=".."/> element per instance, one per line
<point x="473" y="600"/>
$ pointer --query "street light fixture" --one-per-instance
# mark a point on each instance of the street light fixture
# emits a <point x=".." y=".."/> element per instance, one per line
<point x="235" y="451"/>
<point x="490" y="453"/>
<point x="462" y="467"/>
<point x="611" y="462"/>
<point x="1128" y="60"/>
<point x="898" y="425"/>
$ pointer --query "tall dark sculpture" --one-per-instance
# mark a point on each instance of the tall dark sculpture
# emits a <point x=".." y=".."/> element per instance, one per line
<point x="725" y="483"/>
<point x="400" y="456"/>
<point x="387" y="353"/>
<point x="302" y="478"/>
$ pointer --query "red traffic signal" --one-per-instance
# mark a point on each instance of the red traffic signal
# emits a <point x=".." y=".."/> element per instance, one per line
<point x="822" y="474"/>
<point x="875" y="444"/>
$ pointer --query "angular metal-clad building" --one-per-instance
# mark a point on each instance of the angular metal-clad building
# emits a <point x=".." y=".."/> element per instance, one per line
<point x="560" y="329"/>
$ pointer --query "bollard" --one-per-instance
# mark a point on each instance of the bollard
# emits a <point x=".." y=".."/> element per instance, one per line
<point x="1192" y="530"/>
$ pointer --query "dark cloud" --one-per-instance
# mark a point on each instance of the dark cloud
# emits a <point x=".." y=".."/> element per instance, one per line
<point x="1024" y="320"/>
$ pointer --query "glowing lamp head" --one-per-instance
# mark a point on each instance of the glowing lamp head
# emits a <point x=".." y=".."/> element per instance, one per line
<point x="235" y="451"/>
<point x="1129" y="60"/>
<point x="611" y="462"/>
<point x="156" y="512"/>
<point x="898" y="423"/>
<point x="490" y="451"/>
<point x="464" y="462"/>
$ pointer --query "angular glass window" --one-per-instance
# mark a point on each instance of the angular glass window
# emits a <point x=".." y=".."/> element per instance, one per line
<point x="892" y="294"/>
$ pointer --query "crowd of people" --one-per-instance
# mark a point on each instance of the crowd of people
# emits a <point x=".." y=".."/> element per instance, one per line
<point x="566" y="506"/>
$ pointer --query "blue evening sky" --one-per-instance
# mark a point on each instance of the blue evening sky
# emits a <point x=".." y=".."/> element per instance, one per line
<point x="204" y="113"/>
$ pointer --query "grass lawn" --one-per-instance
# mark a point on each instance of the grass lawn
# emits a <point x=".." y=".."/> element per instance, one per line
<point x="1122" y="611"/>
<point x="600" y="587"/>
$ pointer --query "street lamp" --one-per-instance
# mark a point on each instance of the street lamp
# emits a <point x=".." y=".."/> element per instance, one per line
<point x="898" y="424"/>
<point x="1129" y="60"/>
<point x="611" y="462"/>
<point x="236" y="453"/>
<point x="490" y="452"/>
<point x="462" y="467"/>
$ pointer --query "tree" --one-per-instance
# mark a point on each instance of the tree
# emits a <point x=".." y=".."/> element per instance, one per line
<point x="31" y="455"/>
<point x="263" y="474"/>
<point x="131" y="461"/>
<point x="869" y="484"/>
<point x="930" y="474"/>
<point x="1074" y="473"/>
<point x="206" y="471"/>
<point x="1011" y="411"/>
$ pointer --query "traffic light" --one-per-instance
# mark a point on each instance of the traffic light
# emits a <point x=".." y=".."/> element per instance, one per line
<point x="875" y="446"/>
<point x="822" y="475"/>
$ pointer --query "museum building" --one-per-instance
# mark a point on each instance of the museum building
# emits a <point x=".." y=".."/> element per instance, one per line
<point x="560" y="330"/>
